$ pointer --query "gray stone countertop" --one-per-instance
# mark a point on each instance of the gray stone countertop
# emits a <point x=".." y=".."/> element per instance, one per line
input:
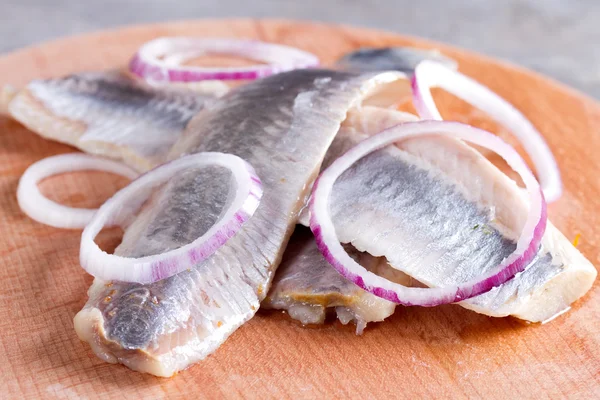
<point x="555" y="37"/>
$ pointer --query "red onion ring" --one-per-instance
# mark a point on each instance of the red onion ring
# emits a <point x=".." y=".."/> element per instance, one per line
<point x="329" y="245"/>
<point x="45" y="211"/>
<point x="147" y="64"/>
<point x="430" y="74"/>
<point x="119" y="209"/>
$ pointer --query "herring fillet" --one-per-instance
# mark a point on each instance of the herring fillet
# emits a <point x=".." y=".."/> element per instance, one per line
<point x="109" y="114"/>
<point x="398" y="58"/>
<point x="442" y="214"/>
<point x="282" y="125"/>
<point x="306" y="286"/>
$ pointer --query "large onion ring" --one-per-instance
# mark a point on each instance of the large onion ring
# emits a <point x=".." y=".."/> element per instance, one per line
<point x="147" y="64"/>
<point x="329" y="245"/>
<point x="127" y="201"/>
<point x="46" y="211"/>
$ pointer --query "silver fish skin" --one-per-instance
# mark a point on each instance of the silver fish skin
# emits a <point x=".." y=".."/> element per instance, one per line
<point x="282" y="125"/>
<point x="442" y="213"/>
<point x="306" y="286"/>
<point x="110" y="114"/>
<point x="403" y="59"/>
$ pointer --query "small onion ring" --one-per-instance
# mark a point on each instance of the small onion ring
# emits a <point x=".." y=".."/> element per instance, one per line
<point x="329" y="245"/>
<point x="45" y="211"/>
<point x="124" y="203"/>
<point x="175" y="50"/>
<point x="430" y="74"/>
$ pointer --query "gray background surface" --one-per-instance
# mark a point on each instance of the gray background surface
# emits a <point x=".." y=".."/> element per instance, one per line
<point x="556" y="37"/>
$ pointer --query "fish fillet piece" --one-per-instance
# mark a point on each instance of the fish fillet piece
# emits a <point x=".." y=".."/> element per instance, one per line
<point x="306" y="286"/>
<point x="109" y="114"/>
<point x="282" y="125"/>
<point x="442" y="213"/>
<point x="404" y="59"/>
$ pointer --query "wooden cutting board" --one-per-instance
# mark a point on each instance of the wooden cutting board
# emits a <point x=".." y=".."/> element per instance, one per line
<point x="420" y="352"/>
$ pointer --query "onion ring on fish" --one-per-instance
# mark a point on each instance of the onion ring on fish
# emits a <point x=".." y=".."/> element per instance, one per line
<point x="527" y="245"/>
<point x="430" y="74"/>
<point x="148" y="65"/>
<point x="123" y="205"/>
<point x="45" y="211"/>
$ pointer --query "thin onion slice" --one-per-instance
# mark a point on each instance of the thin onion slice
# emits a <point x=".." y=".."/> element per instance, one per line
<point x="329" y="245"/>
<point x="45" y="211"/>
<point x="429" y="74"/>
<point x="147" y="62"/>
<point x="120" y="208"/>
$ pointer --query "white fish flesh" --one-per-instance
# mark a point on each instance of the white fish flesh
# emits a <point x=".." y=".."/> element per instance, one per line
<point x="307" y="287"/>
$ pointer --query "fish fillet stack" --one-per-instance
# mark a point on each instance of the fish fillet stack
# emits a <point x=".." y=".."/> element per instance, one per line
<point x="427" y="212"/>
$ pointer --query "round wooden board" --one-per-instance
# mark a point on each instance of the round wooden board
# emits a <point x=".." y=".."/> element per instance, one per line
<point x="420" y="352"/>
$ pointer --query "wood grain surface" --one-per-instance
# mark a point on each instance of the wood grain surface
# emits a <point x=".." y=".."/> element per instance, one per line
<point x="444" y="352"/>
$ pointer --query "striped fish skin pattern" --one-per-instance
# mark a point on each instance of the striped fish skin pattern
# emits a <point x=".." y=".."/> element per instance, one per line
<point x="438" y="211"/>
<point x="111" y="114"/>
<point x="283" y="126"/>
